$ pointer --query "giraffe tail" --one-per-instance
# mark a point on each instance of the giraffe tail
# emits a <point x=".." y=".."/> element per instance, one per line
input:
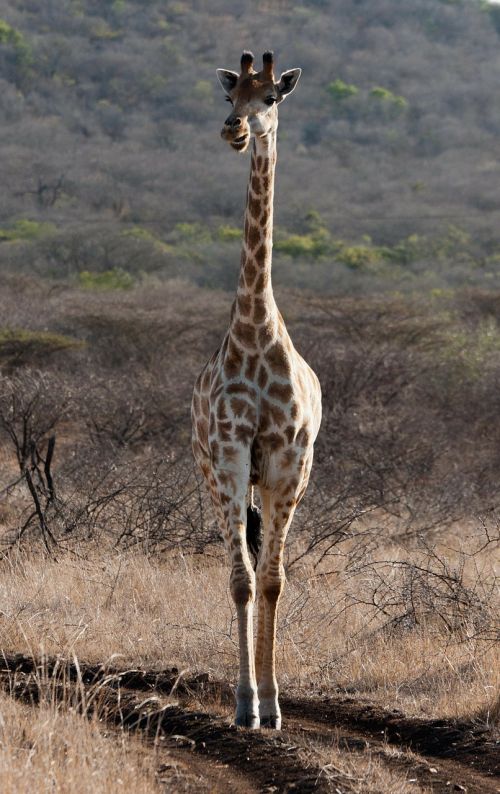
<point x="254" y="532"/>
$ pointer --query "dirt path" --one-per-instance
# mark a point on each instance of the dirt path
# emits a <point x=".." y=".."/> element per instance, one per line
<point x="434" y="774"/>
<point x="227" y="758"/>
<point x="444" y="757"/>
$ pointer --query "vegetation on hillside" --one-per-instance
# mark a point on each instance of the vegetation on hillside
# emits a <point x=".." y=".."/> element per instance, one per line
<point x="112" y="161"/>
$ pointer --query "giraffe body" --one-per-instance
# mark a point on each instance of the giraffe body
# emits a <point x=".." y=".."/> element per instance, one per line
<point x="256" y="406"/>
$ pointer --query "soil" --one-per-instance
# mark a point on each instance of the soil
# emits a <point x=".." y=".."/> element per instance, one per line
<point x="195" y="748"/>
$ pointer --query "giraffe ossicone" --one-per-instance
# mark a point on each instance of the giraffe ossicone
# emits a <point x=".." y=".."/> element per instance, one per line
<point x="256" y="407"/>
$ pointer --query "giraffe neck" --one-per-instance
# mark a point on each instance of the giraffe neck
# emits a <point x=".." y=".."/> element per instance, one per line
<point x="255" y="303"/>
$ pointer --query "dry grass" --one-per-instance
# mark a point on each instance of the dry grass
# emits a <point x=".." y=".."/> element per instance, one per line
<point x="136" y="611"/>
<point x="46" y="750"/>
<point x="360" y="772"/>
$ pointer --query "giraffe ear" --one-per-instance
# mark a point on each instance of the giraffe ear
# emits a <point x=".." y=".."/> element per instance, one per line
<point x="227" y="79"/>
<point x="288" y="81"/>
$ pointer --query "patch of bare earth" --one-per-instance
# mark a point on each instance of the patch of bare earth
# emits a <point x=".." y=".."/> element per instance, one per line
<point x="328" y="744"/>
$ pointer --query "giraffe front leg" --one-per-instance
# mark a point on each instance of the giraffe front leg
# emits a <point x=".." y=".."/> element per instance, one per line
<point x="269" y="710"/>
<point x="242" y="586"/>
<point x="270" y="583"/>
<point x="259" y="645"/>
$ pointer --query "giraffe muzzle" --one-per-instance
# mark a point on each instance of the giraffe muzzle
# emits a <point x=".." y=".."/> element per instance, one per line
<point x="240" y="144"/>
<point x="236" y="134"/>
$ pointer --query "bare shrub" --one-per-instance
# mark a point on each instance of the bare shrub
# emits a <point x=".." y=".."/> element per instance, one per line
<point x="32" y="404"/>
<point x="154" y="503"/>
<point x="435" y="587"/>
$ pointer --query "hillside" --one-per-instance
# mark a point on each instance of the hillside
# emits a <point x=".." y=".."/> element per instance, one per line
<point x="389" y="150"/>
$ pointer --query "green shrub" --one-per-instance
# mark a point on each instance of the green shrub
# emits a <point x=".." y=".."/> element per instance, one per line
<point x="9" y="35"/>
<point x="103" y="32"/>
<point x="229" y="233"/>
<point x="145" y="235"/>
<point x="107" y="280"/>
<point x="23" y="54"/>
<point x="393" y="103"/>
<point x="405" y="251"/>
<point x="357" y="256"/>
<point x="21" y="347"/>
<point x="339" y="91"/>
<point x="191" y="233"/>
<point x="27" y="230"/>
<point x="468" y="353"/>
<point x="297" y="245"/>
<point x="455" y="242"/>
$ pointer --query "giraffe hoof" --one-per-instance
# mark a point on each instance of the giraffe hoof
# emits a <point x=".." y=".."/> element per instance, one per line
<point x="271" y="721"/>
<point x="247" y="709"/>
<point x="247" y="721"/>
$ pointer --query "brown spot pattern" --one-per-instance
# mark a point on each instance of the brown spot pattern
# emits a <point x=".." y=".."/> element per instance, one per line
<point x="256" y="185"/>
<point x="243" y="434"/>
<point x="253" y="238"/>
<point x="289" y="457"/>
<point x="245" y="333"/>
<point x="277" y="359"/>
<point x="250" y="271"/>
<point x="266" y="334"/>
<point x="263" y="377"/>
<point x="254" y="207"/>
<point x="202" y="430"/>
<point x="233" y="360"/>
<point x="221" y="410"/>
<point x="240" y="388"/>
<point x="251" y="367"/>
<point x="229" y="453"/>
<point x="261" y="283"/>
<point x="277" y="415"/>
<point x="259" y="310"/>
<point x="274" y="441"/>
<point x="224" y="430"/>
<point x="214" y="453"/>
<point x="238" y="406"/>
<point x="280" y="391"/>
<point x="260" y="255"/>
<point x="303" y="437"/>
<point x="245" y="305"/>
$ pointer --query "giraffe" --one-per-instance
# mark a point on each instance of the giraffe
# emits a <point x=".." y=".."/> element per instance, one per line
<point x="256" y="406"/>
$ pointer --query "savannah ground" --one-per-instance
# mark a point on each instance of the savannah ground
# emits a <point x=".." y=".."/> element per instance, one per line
<point x="117" y="628"/>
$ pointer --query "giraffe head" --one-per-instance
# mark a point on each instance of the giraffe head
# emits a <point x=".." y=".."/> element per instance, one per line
<point x="254" y="97"/>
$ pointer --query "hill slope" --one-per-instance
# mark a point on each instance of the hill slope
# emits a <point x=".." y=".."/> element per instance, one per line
<point x="111" y="112"/>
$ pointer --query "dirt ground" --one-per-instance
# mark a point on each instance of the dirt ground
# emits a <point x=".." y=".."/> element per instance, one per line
<point x="332" y="743"/>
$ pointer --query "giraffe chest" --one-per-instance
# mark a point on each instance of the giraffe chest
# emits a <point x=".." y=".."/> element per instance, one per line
<point x="263" y="424"/>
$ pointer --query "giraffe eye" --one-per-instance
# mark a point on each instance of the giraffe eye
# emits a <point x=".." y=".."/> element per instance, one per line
<point x="228" y="99"/>
<point x="270" y="100"/>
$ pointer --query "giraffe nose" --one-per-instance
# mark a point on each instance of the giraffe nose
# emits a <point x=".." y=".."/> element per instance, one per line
<point x="233" y="121"/>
